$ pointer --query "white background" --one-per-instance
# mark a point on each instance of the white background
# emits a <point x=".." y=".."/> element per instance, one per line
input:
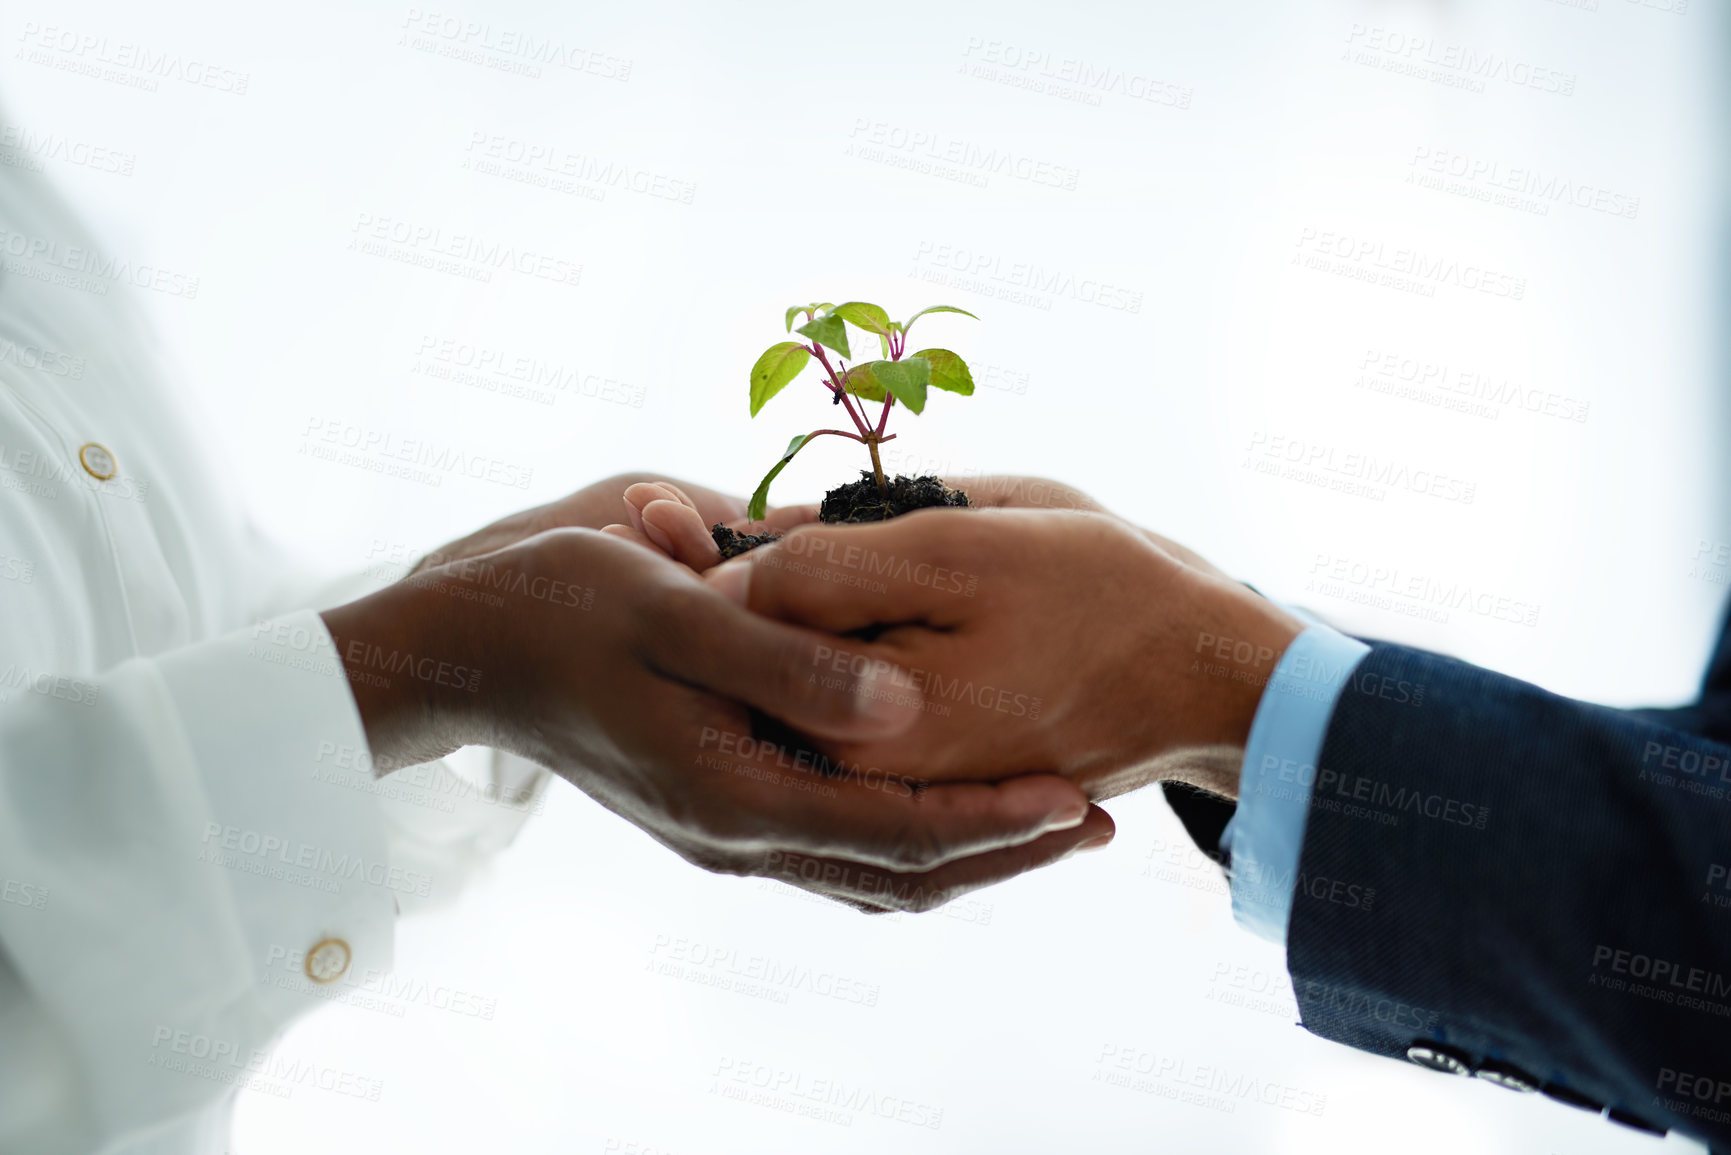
<point x="1266" y="123"/>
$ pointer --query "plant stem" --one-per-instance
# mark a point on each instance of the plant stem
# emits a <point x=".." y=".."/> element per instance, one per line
<point x="840" y="390"/>
<point x="878" y="468"/>
<point x="883" y="420"/>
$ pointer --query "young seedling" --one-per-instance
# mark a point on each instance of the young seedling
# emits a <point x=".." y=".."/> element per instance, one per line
<point x="897" y="377"/>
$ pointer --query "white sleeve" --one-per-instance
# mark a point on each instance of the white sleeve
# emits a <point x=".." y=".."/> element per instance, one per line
<point x="446" y="821"/>
<point x="166" y="845"/>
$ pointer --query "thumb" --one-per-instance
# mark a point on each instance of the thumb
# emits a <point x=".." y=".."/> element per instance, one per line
<point x="824" y="685"/>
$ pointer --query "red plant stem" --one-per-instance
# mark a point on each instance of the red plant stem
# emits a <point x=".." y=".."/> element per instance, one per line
<point x="836" y="387"/>
<point x="838" y="433"/>
<point x="898" y="342"/>
<point x="846" y="434"/>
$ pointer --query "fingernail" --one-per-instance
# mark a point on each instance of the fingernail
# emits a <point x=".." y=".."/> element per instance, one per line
<point x="655" y="534"/>
<point x="1098" y="842"/>
<point x="1068" y="818"/>
<point x="634" y="514"/>
<point x="731" y="579"/>
<point x="877" y="698"/>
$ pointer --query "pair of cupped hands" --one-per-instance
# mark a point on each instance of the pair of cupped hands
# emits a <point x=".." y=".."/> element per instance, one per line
<point x="948" y="692"/>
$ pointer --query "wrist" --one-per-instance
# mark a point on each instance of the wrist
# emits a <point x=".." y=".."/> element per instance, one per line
<point x="1232" y="646"/>
<point x="415" y="684"/>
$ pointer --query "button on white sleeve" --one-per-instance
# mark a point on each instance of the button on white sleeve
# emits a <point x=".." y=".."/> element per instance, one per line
<point x="268" y="713"/>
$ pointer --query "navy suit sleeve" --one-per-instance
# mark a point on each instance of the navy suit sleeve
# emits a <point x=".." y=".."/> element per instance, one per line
<point x="1500" y="881"/>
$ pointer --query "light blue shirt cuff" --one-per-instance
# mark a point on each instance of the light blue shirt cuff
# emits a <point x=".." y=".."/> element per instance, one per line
<point x="1266" y="835"/>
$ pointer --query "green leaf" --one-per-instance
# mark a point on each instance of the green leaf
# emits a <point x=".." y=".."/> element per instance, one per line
<point x="864" y="384"/>
<point x="828" y="331"/>
<point x="778" y="365"/>
<point x="871" y="318"/>
<point x="936" y="309"/>
<point x="759" y="503"/>
<point x="949" y="371"/>
<point x="906" y="380"/>
<point x="810" y="310"/>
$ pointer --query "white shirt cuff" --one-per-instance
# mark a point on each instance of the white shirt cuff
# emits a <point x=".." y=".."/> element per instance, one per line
<point x="266" y="712"/>
<point x="189" y="858"/>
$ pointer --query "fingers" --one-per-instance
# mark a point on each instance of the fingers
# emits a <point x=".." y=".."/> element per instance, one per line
<point x="878" y="891"/>
<point x="710" y="505"/>
<point x="821" y="685"/>
<point x="922" y="567"/>
<point x="680" y="533"/>
<point x="643" y="492"/>
<point x="629" y="534"/>
<point x="861" y="814"/>
<point x="650" y="538"/>
<point x="1002" y="491"/>
<point x="666" y="517"/>
<point x="1011" y="492"/>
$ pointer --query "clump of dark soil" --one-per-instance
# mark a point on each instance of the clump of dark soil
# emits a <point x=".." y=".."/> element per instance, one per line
<point x="732" y="543"/>
<point x="860" y="500"/>
<point x="853" y="503"/>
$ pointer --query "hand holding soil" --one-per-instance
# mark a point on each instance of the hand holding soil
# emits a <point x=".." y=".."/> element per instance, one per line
<point x="1032" y="640"/>
<point x="620" y="671"/>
